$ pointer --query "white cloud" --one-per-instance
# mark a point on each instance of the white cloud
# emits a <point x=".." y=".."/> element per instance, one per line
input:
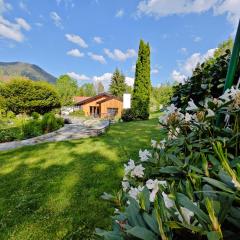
<point x="22" y="23"/>
<point x="129" y="81"/>
<point x="197" y="39"/>
<point x="183" y="50"/>
<point x="75" y="53"/>
<point x="119" y="55"/>
<point x="190" y="64"/>
<point x="231" y="8"/>
<point x="103" y="78"/>
<point x="162" y="8"/>
<point x="77" y="40"/>
<point x="39" y="24"/>
<point x="119" y="13"/>
<point x="10" y="30"/>
<point x="4" y="7"/>
<point x="78" y="77"/>
<point x="98" y="40"/>
<point x="56" y="19"/>
<point x="98" y="58"/>
<point x="155" y="71"/>
<point x="24" y="7"/>
<point x="178" y="77"/>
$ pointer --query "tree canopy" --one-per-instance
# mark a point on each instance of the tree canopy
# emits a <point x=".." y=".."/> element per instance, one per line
<point x="117" y="86"/>
<point x="66" y="88"/>
<point x="87" y="90"/>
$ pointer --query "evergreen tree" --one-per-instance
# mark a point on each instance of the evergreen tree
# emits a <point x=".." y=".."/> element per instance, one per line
<point x="118" y="86"/>
<point x="142" y="84"/>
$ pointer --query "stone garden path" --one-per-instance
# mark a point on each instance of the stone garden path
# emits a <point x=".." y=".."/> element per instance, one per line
<point x="76" y="130"/>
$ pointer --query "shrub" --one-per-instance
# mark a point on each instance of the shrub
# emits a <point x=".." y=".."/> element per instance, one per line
<point x="10" y="134"/>
<point x="78" y="113"/>
<point x="35" y="115"/>
<point x="31" y="128"/>
<point x="128" y="115"/>
<point x="51" y="123"/>
<point x="187" y="185"/>
<point x="26" y="96"/>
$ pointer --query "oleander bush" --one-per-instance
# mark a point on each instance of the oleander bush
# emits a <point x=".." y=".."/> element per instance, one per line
<point x="188" y="185"/>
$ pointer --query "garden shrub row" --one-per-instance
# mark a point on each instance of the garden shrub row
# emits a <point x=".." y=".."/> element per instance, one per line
<point x="32" y="128"/>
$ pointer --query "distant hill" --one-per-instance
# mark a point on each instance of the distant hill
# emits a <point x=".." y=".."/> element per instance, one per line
<point x="31" y="71"/>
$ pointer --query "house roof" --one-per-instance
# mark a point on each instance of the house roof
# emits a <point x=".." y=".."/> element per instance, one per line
<point x="90" y="99"/>
<point x="110" y="98"/>
<point x="79" y="98"/>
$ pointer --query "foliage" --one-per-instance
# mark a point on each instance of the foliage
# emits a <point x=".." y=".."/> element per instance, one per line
<point x="99" y="87"/>
<point x="35" y="115"/>
<point x="26" y="96"/>
<point x="24" y="127"/>
<point x="207" y="79"/>
<point x="87" y="90"/>
<point x="128" y="115"/>
<point x="67" y="89"/>
<point x="51" y="123"/>
<point x="51" y="190"/>
<point x="142" y="84"/>
<point x="188" y="185"/>
<point x="10" y="134"/>
<point x="78" y="113"/>
<point x="31" y="128"/>
<point x="118" y="85"/>
<point x="160" y="97"/>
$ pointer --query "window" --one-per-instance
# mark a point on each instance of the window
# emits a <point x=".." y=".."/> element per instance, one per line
<point x="112" y="111"/>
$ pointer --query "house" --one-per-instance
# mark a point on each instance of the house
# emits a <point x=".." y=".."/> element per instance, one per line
<point x="103" y="105"/>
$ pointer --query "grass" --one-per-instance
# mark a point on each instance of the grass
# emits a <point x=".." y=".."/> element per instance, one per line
<point x="52" y="190"/>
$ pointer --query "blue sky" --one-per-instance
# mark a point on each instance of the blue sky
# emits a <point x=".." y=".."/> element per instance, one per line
<point x="90" y="38"/>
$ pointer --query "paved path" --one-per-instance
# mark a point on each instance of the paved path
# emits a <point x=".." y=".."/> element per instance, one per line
<point x="76" y="130"/>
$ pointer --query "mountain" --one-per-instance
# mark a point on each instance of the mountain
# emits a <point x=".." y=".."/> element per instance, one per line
<point x="31" y="71"/>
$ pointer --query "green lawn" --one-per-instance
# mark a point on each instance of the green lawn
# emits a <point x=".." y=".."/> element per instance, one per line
<point x="52" y="190"/>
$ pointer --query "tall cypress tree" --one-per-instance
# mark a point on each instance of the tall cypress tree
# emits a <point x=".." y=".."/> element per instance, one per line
<point x="117" y="86"/>
<point x="142" y="84"/>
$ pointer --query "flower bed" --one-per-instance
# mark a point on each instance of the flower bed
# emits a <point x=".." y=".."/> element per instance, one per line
<point x="189" y="184"/>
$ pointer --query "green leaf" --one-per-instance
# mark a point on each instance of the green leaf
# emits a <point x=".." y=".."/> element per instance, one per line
<point x="108" y="235"/>
<point x="151" y="222"/>
<point x="178" y="225"/>
<point x="213" y="236"/>
<point x="218" y="184"/>
<point x="142" y="233"/>
<point x="187" y="203"/>
<point x="170" y="170"/>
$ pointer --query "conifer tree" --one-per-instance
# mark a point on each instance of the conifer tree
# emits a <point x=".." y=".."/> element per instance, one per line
<point x="142" y="84"/>
<point x="117" y="86"/>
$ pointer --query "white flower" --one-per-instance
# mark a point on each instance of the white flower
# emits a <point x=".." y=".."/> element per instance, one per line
<point x="191" y="106"/>
<point x="133" y="192"/>
<point x="171" y="109"/>
<point x="153" y="143"/>
<point x="187" y="214"/>
<point x="163" y="119"/>
<point x="188" y="117"/>
<point x="129" y="167"/>
<point x="168" y="202"/>
<point x="138" y="171"/>
<point x="116" y="210"/>
<point x="210" y="113"/>
<point x="125" y="185"/>
<point x="153" y="185"/>
<point x="226" y="96"/>
<point x="144" y="155"/>
<point x="161" y="145"/>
